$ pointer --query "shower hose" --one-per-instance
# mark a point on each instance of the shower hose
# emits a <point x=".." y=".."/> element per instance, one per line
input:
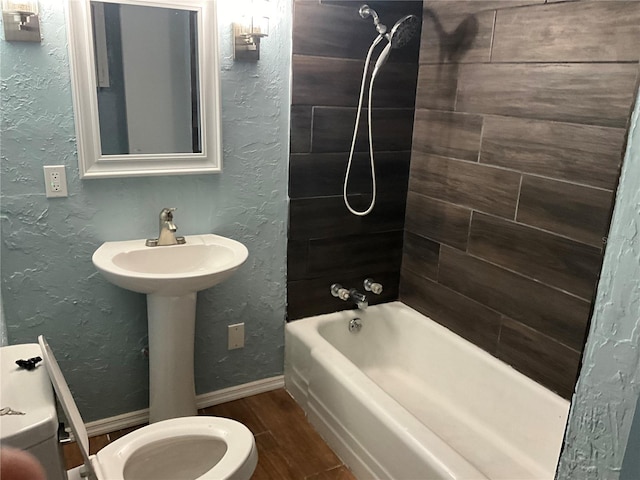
<point x="355" y="135"/>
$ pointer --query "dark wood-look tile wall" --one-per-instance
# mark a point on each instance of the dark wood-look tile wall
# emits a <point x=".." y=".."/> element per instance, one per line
<point x="543" y="256"/>
<point x="332" y="130"/>
<point x="437" y="87"/>
<point x="327" y="244"/>
<point x="539" y="306"/>
<point x="308" y="297"/>
<point x="538" y="356"/>
<point x="466" y="317"/>
<point x="326" y="217"/>
<point x="394" y="85"/>
<point x="508" y="257"/>
<point x="461" y="31"/>
<point x="322" y="174"/>
<point x="592" y="33"/>
<point x="335" y="28"/>
<point x="591" y="93"/>
<point x="455" y="135"/>
<point x="491" y="190"/>
<point x="582" y="154"/>
<point x="440" y="221"/>
<point x="575" y="211"/>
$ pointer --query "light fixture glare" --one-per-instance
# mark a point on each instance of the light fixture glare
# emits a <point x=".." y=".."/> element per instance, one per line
<point x="20" y="20"/>
<point x="251" y="26"/>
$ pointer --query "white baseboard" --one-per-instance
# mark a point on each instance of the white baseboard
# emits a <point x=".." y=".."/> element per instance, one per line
<point x="132" y="419"/>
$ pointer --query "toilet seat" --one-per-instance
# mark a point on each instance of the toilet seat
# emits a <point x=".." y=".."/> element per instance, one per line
<point x="224" y="448"/>
<point x="185" y="448"/>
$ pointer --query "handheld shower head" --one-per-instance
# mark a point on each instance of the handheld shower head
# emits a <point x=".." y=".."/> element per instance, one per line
<point x="382" y="58"/>
<point x="401" y="33"/>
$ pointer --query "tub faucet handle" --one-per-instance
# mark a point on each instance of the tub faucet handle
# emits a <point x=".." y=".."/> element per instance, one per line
<point x="373" y="287"/>
<point x="338" y="291"/>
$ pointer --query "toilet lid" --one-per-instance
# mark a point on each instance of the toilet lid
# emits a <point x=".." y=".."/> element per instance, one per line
<point x="68" y="404"/>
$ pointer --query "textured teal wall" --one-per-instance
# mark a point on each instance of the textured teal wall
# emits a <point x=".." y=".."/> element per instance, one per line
<point x="603" y="405"/>
<point x="49" y="285"/>
<point x="631" y="464"/>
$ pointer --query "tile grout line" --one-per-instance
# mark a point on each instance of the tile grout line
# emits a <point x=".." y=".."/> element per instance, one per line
<point x="494" y="264"/>
<point x="505" y="169"/>
<point x="471" y="212"/>
<point x="506" y="219"/>
<point x="313" y="114"/>
<point x="493" y="35"/>
<point x="515" y="213"/>
<point x="480" y="142"/>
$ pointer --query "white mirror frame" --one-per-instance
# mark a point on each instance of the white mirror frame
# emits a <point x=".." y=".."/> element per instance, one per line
<point x="92" y="163"/>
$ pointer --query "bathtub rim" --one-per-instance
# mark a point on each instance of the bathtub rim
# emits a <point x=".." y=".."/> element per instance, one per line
<point x="307" y="331"/>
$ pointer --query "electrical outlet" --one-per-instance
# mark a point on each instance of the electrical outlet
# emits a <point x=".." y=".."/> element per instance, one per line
<point x="236" y="336"/>
<point x="55" y="181"/>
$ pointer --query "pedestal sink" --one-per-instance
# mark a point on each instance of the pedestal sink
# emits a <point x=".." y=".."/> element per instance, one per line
<point x="170" y="276"/>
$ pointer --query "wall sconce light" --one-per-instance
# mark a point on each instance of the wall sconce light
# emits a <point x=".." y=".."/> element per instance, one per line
<point x="247" y="32"/>
<point x="21" y="21"/>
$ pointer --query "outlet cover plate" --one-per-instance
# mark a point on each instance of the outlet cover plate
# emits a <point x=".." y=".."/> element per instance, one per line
<point x="55" y="181"/>
<point x="236" y="336"/>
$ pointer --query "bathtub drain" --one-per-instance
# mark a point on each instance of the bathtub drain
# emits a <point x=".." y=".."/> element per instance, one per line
<point x="355" y="325"/>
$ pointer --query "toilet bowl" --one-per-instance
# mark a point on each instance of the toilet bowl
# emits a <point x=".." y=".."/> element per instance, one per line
<point x="185" y="448"/>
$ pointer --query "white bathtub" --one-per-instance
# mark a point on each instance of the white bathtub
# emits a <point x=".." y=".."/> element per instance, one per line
<point x="405" y="398"/>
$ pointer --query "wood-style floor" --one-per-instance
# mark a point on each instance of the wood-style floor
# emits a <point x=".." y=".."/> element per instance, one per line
<point x="288" y="446"/>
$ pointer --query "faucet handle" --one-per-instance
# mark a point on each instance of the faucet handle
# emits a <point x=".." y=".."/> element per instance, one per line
<point x="166" y="214"/>
<point x="371" y="286"/>
<point x="338" y="291"/>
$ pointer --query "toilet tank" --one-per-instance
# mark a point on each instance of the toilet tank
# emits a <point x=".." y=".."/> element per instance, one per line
<point x="30" y="392"/>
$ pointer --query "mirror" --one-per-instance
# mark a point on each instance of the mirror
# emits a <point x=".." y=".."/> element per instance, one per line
<point x="143" y="54"/>
<point x="145" y="87"/>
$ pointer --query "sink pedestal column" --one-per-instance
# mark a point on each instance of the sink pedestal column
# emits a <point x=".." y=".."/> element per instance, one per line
<point x="171" y="338"/>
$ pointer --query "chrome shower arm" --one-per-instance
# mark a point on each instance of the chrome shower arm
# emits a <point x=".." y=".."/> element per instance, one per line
<point x="366" y="11"/>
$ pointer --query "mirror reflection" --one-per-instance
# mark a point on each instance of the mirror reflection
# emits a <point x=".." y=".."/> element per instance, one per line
<point x="147" y="79"/>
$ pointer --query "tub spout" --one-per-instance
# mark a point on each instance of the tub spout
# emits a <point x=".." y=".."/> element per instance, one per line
<point x="359" y="298"/>
<point x="343" y="294"/>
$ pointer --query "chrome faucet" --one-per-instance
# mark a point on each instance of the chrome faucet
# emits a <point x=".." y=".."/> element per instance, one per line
<point x="343" y="294"/>
<point x="359" y="298"/>
<point x="167" y="235"/>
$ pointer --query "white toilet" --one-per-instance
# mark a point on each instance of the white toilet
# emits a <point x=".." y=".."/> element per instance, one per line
<point x="190" y="448"/>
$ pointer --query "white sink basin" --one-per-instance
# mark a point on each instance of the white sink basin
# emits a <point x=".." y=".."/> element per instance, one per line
<point x="175" y="270"/>
<point x="171" y="276"/>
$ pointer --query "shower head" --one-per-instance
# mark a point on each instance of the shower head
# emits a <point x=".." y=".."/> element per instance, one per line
<point x="401" y="33"/>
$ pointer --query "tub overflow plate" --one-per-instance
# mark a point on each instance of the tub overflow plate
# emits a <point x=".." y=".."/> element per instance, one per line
<point x="355" y="325"/>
